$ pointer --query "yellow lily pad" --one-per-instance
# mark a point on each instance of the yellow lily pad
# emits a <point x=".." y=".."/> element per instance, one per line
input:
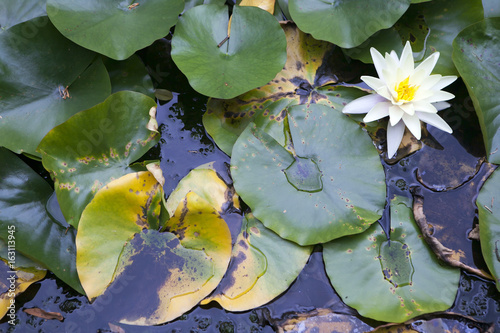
<point x="263" y="265"/>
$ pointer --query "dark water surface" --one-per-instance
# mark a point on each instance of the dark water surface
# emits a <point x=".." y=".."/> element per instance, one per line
<point x="450" y="178"/>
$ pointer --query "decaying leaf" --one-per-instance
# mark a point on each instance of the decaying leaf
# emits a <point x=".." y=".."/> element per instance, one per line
<point x="37" y="312"/>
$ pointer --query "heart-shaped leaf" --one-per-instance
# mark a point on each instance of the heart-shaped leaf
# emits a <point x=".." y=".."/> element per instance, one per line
<point x="24" y="199"/>
<point x="345" y="23"/>
<point x="96" y="146"/>
<point x="114" y="28"/>
<point x="263" y="265"/>
<point x="44" y="79"/>
<point x="331" y="185"/>
<point x="252" y="56"/>
<point x="476" y="55"/>
<point x="390" y="281"/>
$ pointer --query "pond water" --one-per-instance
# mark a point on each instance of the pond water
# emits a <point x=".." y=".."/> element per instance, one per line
<point x="449" y="174"/>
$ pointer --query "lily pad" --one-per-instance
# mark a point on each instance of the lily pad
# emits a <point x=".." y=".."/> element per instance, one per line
<point x="24" y="197"/>
<point x="14" y="12"/>
<point x="114" y="28"/>
<point x="129" y="74"/>
<point x="489" y="224"/>
<point x="119" y="210"/>
<point x="345" y="23"/>
<point x="96" y="146"/>
<point x="17" y="273"/>
<point x="390" y="281"/>
<point x="304" y="79"/>
<point x="167" y="270"/>
<point x="205" y="182"/>
<point x="199" y="227"/>
<point x="336" y="150"/>
<point x="430" y="27"/>
<point x="263" y="265"/>
<point x="36" y="98"/>
<point x="253" y="55"/>
<point x="476" y="55"/>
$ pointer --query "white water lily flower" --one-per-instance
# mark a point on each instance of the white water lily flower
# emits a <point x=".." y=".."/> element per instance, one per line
<point x="405" y="94"/>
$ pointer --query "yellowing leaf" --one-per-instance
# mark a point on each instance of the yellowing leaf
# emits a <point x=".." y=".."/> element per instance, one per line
<point x="205" y="182"/>
<point x="119" y="210"/>
<point x="263" y="265"/>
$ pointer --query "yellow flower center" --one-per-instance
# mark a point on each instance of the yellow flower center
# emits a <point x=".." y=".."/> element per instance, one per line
<point x="405" y="91"/>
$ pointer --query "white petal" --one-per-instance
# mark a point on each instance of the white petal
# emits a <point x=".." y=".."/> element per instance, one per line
<point x="441" y="105"/>
<point x="395" y="114"/>
<point x="428" y="82"/>
<point x="434" y="120"/>
<point x="378" y="61"/>
<point x="413" y="124"/>
<point x="439" y="96"/>
<point x="363" y="104"/>
<point x="422" y="95"/>
<point x="444" y="82"/>
<point x="422" y="106"/>
<point x="428" y="64"/>
<point x="394" y="56"/>
<point x="373" y="82"/>
<point x="390" y="77"/>
<point x="380" y="110"/>
<point x="394" y="137"/>
<point x="385" y="92"/>
<point x="408" y="108"/>
<point x="418" y="77"/>
<point x="406" y="61"/>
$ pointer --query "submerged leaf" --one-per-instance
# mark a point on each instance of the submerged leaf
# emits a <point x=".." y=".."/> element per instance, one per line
<point x="119" y="210"/>
<point x="399" y="280"/>
<point x="338" y="188"/>
<point x="168" y="270"/>
<point x="95" y="147"/>
<point x="263" y="266"/>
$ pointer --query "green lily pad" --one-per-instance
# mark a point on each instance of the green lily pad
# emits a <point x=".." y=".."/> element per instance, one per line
<point x="36" y="98"/>
<point x="304" y="79"/>
<point x="129" y="74"/>
<point x="491" y="8"/>
<point x="430" y="27"/>
<point x="96" y="146"/>
<point x="205" y="182"/>
<point x="345" y="23"/>
<point x="14" y="12"/>
<point x="489" y="224"/>
<point x="263" y="265"/>
<point x="394" y="281"/>
<point x="24" y="198"/>
<point x="476" y="55"/>
<point x="119" y="210"/>
<point x="338" y="151"/>
<point x="251" y="58"/>
<point x="114" y="28"/>
<point x="193" y="3"/>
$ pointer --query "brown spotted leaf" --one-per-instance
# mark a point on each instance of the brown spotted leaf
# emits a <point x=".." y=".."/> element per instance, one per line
<point x="95" y="147"/>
